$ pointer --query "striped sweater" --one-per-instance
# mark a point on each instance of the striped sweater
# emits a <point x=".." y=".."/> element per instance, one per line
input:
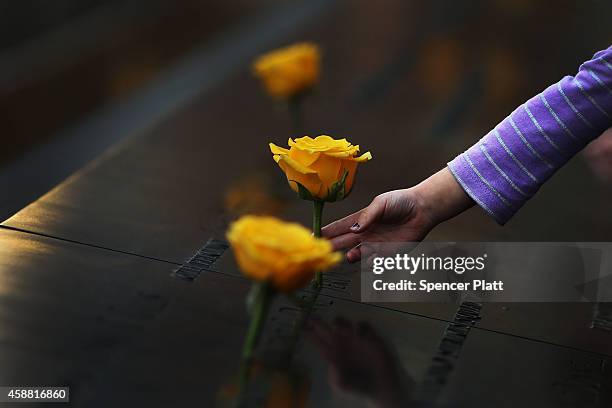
<point x="507" y="166"/>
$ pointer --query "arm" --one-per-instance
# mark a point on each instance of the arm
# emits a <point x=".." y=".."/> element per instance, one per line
<point x="500" y="172"/>
<point x="507" y="166"/>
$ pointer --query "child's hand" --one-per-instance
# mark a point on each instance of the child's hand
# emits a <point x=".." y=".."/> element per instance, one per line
<point x="401" y="215"/>
<point x="395" y="216"/>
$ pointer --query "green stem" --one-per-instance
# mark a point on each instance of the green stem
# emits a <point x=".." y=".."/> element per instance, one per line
<point x="317" y="213"/>
<point x="256" y="325"/>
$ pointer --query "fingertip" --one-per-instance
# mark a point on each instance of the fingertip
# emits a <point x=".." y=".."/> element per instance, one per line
<point x="353" y="255"/>
<point x="324" y="232"/>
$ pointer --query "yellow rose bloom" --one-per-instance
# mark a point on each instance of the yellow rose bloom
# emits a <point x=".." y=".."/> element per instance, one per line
<point x="324" y="166"/>
<point x="288" y="71"/>
<point x="286" y="254"/>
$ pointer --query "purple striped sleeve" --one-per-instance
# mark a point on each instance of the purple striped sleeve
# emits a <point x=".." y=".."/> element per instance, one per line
<point x="507" y="166"/>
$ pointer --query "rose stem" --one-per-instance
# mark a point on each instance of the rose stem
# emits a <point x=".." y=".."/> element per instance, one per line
<point x="256" y="325"/>
<point x="317" y="212"/>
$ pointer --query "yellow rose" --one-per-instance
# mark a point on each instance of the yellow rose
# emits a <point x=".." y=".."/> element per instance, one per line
<point x="323" y="166"/>
<point x="284" y="253"/>
<point x="288" y="71"/>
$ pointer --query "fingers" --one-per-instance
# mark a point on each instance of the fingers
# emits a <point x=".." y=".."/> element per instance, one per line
<point x="356" y="222"/>
<point x="354" y="254"/>
<point x="340" y="227"/>
<point x="370" y="214"/>
<point x="345" y="241"/>
<point x="359" y="252"/>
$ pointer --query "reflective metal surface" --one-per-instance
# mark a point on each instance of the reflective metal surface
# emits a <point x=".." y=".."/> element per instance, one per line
<point x="568" y="324"/>
<point x="541" y="374"/>
<point x="121" y="331"/>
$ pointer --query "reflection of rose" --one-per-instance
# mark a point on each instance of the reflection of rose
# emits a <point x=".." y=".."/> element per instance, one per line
<point x="284" y="253"/>
<point x="288" y="71"/>
<point x="287" y="390"/>
<point x="251" y="195"/>
<point x="281" y="388"/>
<point x="324" y="167"/>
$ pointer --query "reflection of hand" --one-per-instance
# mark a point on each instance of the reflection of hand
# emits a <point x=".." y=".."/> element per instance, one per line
<point x="401" y="215"/>
<point x="360" y="362"/>
<point x="598" y="156"/>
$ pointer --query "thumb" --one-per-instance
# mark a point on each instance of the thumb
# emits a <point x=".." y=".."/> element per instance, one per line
<point x="370" y="214"/>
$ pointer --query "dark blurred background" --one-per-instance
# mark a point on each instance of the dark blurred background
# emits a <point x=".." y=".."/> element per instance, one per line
<point x="443" y="71"/>
<point x="62" y="59"/>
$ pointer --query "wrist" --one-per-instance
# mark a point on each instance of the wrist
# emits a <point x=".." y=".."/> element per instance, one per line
<point x="441" y="197"/>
